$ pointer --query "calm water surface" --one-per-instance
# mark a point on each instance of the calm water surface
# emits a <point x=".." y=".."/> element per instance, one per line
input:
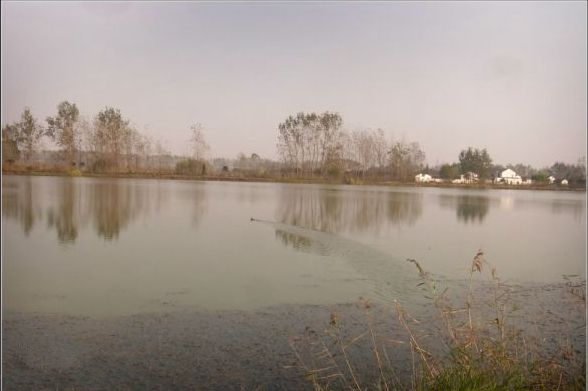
<point x="104" y="247"/>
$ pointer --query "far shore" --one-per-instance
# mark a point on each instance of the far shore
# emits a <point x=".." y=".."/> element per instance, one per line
<point x="297" y="180"/>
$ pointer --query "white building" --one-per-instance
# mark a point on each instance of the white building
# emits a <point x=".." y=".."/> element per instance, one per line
<point x="509" y="177"/>
<point x="423" y="178"/>
<point x="470" y="177"/>
<point x="551" y="180"/>
<point x="564" y="182"/>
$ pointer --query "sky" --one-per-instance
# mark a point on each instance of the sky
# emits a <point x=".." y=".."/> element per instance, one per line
<point x="506" y="76"/>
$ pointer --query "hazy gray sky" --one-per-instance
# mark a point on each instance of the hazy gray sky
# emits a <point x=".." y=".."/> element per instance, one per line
<point x="510" y="77"/>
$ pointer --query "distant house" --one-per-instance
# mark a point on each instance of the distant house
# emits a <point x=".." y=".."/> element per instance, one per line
<point x="509" y="177"/>
<point x="469" y="177"/>
<point x="527" y="181"/>
<point x="564" y="182"/>
<point x="423" y="178"/>
<point x="551" y="180"/>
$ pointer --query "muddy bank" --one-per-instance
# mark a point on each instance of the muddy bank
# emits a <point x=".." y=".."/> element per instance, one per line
<point x="179" y="350"/>
<point x="233" y="350"/>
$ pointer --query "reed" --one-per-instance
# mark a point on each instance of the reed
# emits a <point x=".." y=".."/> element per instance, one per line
<point x="474" y="343"/>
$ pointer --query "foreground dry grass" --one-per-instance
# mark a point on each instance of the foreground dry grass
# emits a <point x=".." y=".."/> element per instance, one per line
<point x="472" y="345"/>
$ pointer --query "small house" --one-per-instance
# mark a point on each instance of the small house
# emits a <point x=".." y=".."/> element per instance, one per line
<point x="469" y="177"/>
<point x="423" y="178"/>
<point x="564" y="182"/>
<point x="509" y="177"/>
<point x="551" y="179"/>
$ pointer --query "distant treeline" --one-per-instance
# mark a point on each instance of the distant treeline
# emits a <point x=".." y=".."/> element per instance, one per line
<point x="108" y="143"/>
<point x="310" y="145"/>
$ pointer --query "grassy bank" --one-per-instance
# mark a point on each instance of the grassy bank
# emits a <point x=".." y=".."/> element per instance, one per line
<point x="51" y="171"/>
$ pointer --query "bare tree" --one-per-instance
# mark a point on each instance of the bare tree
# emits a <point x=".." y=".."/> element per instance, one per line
<point x="62" y="129"/>
<point x="162" y="154"/>
<point x="406" y="159"/>
<point x="381" y="148"/>
<point x="83" y="136"/>
<point x="291" y="143"/>
<point x="363" y="149"/>
<point x="10" y="140"/>
<point x="139" y="149"/>
<point x="199" y="146"/>
<point x="29" y="134"/>
<point x="306" y="141"/>
<point x="110" y="133"/>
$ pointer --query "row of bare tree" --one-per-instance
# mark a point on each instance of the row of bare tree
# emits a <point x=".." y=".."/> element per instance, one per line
<point x="315" y="144"/>
<point x="107" y="143"/>
<point x="309" y="144"/>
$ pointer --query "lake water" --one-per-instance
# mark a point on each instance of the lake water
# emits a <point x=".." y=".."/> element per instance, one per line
<point x="109" y="247"/>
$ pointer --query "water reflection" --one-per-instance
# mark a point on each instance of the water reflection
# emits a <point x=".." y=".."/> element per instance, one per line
<point x="196" y="196"/>
<point x="472" y="208"/>
<point x="564" y="203"/>
<point x="573" y="207"/>
<point x="18" y="204"/>
<point x="108" y="206"/>
<point x="335" y="210"/>
<point x="301" y="243"/>
<point x="404" y="207"/>
<point x="468" y="208"/>
<point x="390" y="277"/>
<point x="114" y="206"/>
<point x="64" y="220"/>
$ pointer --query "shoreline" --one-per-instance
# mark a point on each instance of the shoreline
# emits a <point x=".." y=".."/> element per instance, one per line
<point x="293" y="180"/>
<point x="236" y="349"/>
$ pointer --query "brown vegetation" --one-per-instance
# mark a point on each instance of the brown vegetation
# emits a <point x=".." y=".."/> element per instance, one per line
<point x="471" y="343"/>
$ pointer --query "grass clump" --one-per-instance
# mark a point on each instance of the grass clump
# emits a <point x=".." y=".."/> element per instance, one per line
<point x="468" y="379"/>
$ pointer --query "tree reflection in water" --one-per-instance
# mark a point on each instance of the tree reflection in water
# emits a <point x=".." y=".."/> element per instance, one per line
<point x="72" y="203"/>
<point x="196" y="195"/>
<point x="18" y="204"/>
<point x="301" y="243"/>
<point x="573" y="207"/>
<point x="334" y="210"/>
<point x="64" y="220"/>
<point x="388" y="276"/>
<point x="468" y="208"/>
<point x="114" y="205"/>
